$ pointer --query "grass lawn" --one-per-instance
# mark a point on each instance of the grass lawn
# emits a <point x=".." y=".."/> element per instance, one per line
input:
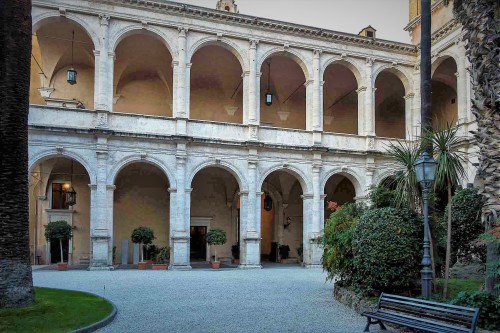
<point x="55" y="310"/>
<point x="457" y="285"/>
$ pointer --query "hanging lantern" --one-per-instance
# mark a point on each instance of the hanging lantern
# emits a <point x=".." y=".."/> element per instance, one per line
<point x="71" y="76"/>
<point x="72" y="72"/>
<point x="70" y="196"/>
<point x="269" y="98"/>
<point x="268" y="203"/>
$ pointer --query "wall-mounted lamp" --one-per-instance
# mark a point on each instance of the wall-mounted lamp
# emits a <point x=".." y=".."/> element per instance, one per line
<point x="287" y="222"/>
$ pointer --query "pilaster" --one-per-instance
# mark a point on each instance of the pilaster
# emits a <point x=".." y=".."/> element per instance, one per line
<point x="104" y="60"/>
<point x="369" y="107"/>
<point x="180" y="85"/>
<point x="409" y="115"/>
<point x="253" y="84"/>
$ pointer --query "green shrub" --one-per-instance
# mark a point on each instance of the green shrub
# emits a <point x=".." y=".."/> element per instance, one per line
<point x="466" y="225"/>
<point x="162" y="255"/>
<point x="380" y="196"/>
<point x="142" y="235"/>
<point x="387" y="250"/>
<point x="57" y="232"/>
<point x="337" y="240"/>
<point x="489" y="317"/>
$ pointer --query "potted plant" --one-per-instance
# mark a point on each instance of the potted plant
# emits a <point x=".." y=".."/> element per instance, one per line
<point x="150" y="251"/>
<point x="216" y="237"/>
<point x="59" y="231"/>
<point x="142" y="236"/>
<point x="235" y="250"/>
<point x="161" y="258"/>
<point x="284" y="252"/>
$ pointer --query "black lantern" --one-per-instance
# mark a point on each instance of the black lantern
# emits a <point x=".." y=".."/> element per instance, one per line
<point x="425" y="168"/>
<point x="268" y="203"/>
<point x="269" y="95"/>
<point x="72" y="72"/>
<point x="70" y="194"/>
<point x="71" y="76"/>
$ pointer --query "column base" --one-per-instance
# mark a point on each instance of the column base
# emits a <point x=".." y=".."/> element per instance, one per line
<point x="250" y="266"/>
<point x="100" y="268"/>
<point x="179" y="268"/>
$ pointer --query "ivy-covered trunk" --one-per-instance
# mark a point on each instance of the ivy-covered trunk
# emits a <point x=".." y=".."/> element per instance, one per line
<point x="481" y="24"/>
<point x="448" y="244"/>
<point x="16" y="285"/>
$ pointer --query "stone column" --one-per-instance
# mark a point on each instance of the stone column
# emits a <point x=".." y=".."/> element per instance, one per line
<point x="101" y="227"/>
<point x="309" y="104"/>
<point x="251" y="235"/>
<point x="361" y="110"/>
<point x="317" y="103"/>
<point x="416" y="116"/>
<point x="253" y="98"/>
<point x="409" y="115"/>
<point x="462" y="83"/>
<point x="180" y="234"/>
<point x="369" y="107"/>
<point x="103" y="96"/>
<point x="310" y="248"/>
<point x="316" y="223"/>
<point x="181" y="84"/>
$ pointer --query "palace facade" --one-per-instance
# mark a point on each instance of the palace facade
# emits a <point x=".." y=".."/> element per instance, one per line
<point x="184" y="118"/>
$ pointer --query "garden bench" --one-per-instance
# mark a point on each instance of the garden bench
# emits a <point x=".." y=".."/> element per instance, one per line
<point x="422" y="315"/>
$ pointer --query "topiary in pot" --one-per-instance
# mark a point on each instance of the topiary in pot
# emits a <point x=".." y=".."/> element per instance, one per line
<point x="59" y="231"/>
<point x="142" y="236"/>
<point x="216" y="236"/>
<point x="161" y="258"/>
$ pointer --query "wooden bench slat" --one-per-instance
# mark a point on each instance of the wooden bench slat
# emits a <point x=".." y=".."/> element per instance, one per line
<point x="420" y="325"/>
<point x="422" y="314"/>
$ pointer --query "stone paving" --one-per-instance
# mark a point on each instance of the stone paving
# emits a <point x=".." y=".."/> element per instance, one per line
<point x="273" y="299"/>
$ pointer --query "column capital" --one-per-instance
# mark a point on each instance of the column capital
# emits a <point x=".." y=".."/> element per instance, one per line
<point x="96" y="53"/>
<point x="370" y="61"/>
<point x="110" y="187"/>
<point x="102" y="154"/>
<point x="307" y="196"/>
<point x="409" y="96"/>
<point x="112" y="55"/>
<point x="183" y="31"/>
<point x="242" y="193"/>
<point x="361" y="89"/>
<point x="188" y="190"/>
<point x="253" y="43"/>
<point x="317" y="52"/>
<point x="323" y="196"/>
<point x="104" y="19"/>
<point x="172" y="190"/>
<point x="93" y="187"/>
<point x="308" y="82"/>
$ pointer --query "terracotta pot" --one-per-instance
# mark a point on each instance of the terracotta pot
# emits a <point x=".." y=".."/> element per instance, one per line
<point x="142" y="265"/>
<point x="236" y="261"/>
<point x="62" y="266"/>
<point x="284" y="261"/>
<point x="160" y="267"/>
<point x="215" y="264"/>
<point x="149" y="262"/>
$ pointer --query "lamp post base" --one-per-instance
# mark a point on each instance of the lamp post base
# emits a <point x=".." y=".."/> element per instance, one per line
<point x="426" y="275"/>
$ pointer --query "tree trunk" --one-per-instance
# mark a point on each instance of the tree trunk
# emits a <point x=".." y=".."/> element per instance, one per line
<point x="480" y="21"/>
<point x="448" y="245"/>
<point x="16" y="285"/>
<point x="61" y="249"/>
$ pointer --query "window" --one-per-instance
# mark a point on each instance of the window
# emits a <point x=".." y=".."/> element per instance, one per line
<point x="369" y="33"/>
<point x="59" y="196"/>
<point x="227" y="8"/>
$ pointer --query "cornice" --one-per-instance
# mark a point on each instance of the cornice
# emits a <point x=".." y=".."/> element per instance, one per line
<point x="192" y="11"/>
<point x="417" y="18"/>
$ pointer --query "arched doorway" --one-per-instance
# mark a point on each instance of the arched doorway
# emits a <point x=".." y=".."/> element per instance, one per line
<point x="214" y="204"/>
<point x="444" y="94"/>
<point x="284" y="79"/>
<point x="389" y="105"/>
<point x="143" y="76"/>
<point x="281" y="216"/>
<point x="340" y="100"/>
<point x="216" y="85"/>
<point x="340" y="190"/>
<point x="52" y="56"/>
<point x="50" y="180"/>
<point x="141" y="199"/>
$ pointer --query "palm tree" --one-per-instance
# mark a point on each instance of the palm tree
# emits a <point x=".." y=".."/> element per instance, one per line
<point x="16" y="285"/>
<point x="480" y="21"/>
<point x="449" y="170"/>
<point x="405" y="154"/>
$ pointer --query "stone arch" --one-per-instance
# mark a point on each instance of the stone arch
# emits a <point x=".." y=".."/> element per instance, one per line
<point x="54" y="153"/>
<point x="224" y="43"/>
<point x="49" y="17"/>
<point x="399" y="73"/>
<point x="237" y="174"/>
<point x="348" y="63"/>
<point x="350" y="174"/>
<point x="441" y="58"/>
<point x="110" y="180"/>
<point x="290" y="53"/>
<point x="381" y="177"/>
<point x="296" y="172"/>
<point x="135" y="29"/>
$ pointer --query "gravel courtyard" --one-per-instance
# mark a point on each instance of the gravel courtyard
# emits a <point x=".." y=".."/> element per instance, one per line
<point x="280" y="299"/>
